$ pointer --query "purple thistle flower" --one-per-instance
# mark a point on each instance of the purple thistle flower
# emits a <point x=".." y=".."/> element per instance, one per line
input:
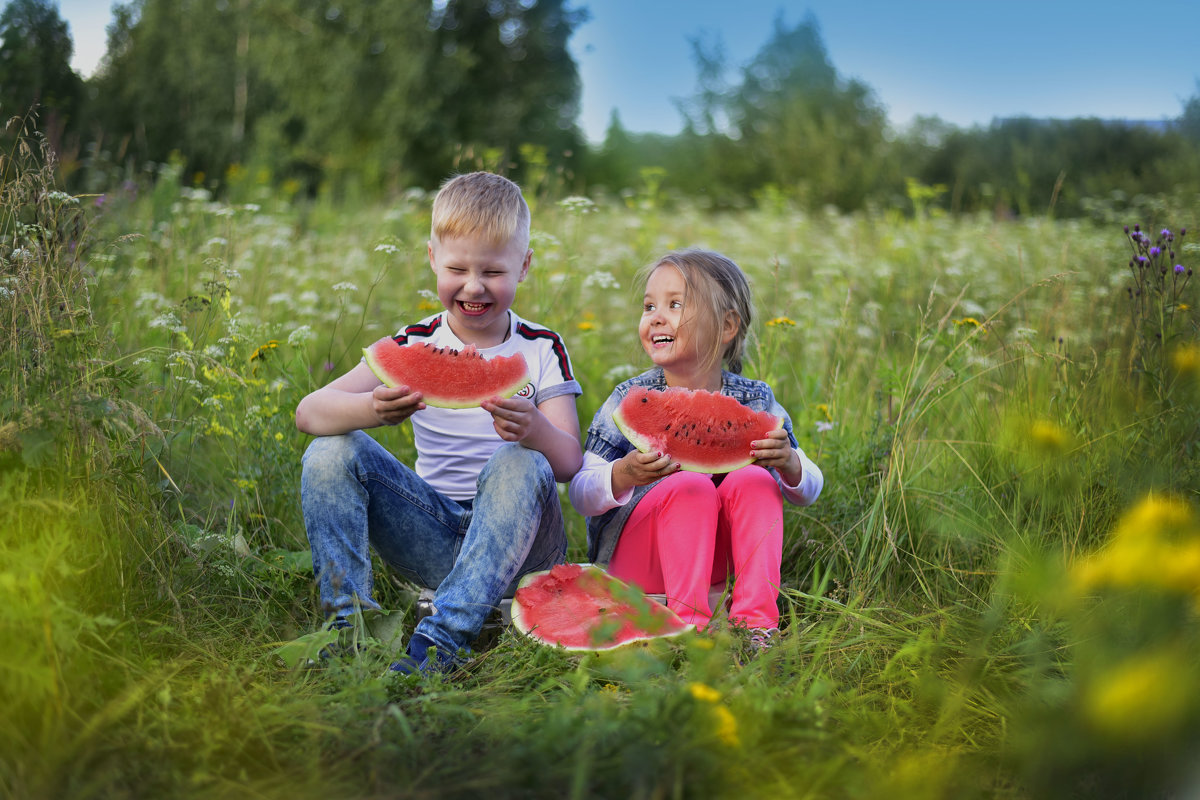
<point x="1166" y="232"/>
<point x="1126" y="229"/>
<point x="1179" y="269"/>
<point x="1142" y="260"/>
<point x="1154" y="251"/>
<point x="1137" y="228"/>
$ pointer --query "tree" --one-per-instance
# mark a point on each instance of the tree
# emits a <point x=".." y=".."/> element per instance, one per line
<point x="35" y="65"/>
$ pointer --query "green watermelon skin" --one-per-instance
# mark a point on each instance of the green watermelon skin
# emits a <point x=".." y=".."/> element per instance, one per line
<point x="582" y="608"/>
<point x="703" y="431"/>
<point x="445" y="377"/>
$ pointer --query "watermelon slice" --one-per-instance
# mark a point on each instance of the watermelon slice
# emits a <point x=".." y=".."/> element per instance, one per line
<point x="446" y="377"/>
<point x="703" y="431"/>
<point x="582" y="608"/>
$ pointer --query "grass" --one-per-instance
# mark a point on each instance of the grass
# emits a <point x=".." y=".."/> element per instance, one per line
<point x="965" y="385"/>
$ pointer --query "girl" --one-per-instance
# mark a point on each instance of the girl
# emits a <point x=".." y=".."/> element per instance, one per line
<point x="684" y="533"/>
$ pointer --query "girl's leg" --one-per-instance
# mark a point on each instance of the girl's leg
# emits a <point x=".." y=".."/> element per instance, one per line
<point x="667" y="544"/>
<point x="750" y="543"/>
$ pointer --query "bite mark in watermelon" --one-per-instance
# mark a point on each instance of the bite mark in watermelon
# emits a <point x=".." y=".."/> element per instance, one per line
<point x="582" y="608"/>
<point x="703" y="431"/>
<point x="446" y="377"/>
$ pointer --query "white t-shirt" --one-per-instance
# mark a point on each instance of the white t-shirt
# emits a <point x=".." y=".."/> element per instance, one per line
<point x="453" y="444"/>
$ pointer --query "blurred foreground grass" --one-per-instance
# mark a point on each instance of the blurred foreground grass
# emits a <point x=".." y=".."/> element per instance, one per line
<point x="984" y="401"/>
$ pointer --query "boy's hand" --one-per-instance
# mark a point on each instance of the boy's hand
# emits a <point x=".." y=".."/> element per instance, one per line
<point x="636" y="468"/>
<point x="776" y="451"/>
<point x="513" y="418"/>
<point x="393" y="406"/>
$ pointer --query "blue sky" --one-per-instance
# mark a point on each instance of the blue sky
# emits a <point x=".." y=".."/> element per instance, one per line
<point x="966" y="61"/>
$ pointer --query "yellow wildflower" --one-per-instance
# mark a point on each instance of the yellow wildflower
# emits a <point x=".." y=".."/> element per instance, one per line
<point x="958" y="323"/>
<point x="780" y="322"/>
<point x="704" y="692"/>
<point x="1155" y="544"/>
<point x="427" y="305"/>
<point x="217" y="429"/>
<point x="1049" y="436"/>
<point x="823" y="408"/>
<point x="262" y="351"/>
<point x="585" y="325"/>
<point x="727" y="727"/>
<point x="1186" y="359"/>
<point x="1143" y="698"/>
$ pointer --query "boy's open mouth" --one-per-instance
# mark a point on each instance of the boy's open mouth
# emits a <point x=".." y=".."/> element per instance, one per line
<point x="473" y="308"/>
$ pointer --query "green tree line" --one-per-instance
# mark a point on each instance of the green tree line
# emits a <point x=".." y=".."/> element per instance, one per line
<point x="382" y="96"/>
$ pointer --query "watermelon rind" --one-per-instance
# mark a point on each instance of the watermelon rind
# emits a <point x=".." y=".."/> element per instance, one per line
<point x="648" y="441"/>
<point x="431" y="394"/>
<point x="622" y="597"/>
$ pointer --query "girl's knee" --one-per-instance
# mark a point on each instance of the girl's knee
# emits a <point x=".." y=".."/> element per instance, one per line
<point x="754" y="479"/>
<point x="691" y="486"/>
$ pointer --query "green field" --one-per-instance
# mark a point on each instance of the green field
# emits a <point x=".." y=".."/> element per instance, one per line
<point x="995" y="596"/>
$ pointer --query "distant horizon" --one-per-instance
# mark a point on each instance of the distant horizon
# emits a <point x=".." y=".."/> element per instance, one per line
<point x="968" y="65"/>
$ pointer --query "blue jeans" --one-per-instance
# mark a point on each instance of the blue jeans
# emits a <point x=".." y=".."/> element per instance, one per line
<point x="356" y="495"/>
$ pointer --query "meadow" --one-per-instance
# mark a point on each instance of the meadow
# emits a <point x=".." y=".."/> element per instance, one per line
<point x="995" y="596"/>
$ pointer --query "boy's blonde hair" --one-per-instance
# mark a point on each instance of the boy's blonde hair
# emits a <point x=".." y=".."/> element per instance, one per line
<point x="714" y="286"/>
<point x="481" y="204"/>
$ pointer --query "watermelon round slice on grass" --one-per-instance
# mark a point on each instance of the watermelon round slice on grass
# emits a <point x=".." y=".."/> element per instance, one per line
<point x="704" y="431"/>
<point x="583" y="608"/>
<point x="446" y="377"/>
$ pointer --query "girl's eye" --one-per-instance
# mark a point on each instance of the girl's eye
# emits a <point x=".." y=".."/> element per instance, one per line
<point x="676" y="304"/>
<point x="647" y="308"/>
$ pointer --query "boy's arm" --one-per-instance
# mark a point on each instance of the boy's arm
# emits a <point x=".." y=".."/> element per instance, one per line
<point x="355" y="401"/>
<point x="551" y="428"/>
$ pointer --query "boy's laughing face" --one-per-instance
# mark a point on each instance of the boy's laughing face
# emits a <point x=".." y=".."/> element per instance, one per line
<point x="476" y="282"/>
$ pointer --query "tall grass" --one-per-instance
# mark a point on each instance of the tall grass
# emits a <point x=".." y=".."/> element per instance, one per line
<point x="957" y="622"/>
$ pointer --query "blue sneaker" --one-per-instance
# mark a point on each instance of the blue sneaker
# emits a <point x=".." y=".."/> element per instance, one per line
<point x="423" y="657"/>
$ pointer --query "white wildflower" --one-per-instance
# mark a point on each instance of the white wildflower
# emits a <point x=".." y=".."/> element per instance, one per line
<point x="217" y="241"/>
<point x="280" y="298"/>
<point x="601" y="279"/>
<point x="824" y="427"/>
<point x="428" y="294"/>
<point x="62" y="198"/>
<point x="169" y="321"/>
<point x="577" y="205"/>
<point x="390" y="249"/>
<point x="21" y="254"/>
<point x="211" y="402"/>
<point x="251" y="207"/>
<point x="214" y="352"/>
<point x="301" y="335"/>
<point x="345" y="286"/>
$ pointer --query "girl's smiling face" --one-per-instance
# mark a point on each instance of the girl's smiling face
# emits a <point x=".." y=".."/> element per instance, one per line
<point x="667" y="329"/>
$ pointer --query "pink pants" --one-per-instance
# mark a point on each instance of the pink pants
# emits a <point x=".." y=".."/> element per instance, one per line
<point x="689" y="533"/>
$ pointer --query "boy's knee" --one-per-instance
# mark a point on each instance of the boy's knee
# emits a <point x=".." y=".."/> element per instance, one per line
<point x="513" y="460"/>
<point x="331" y="453"/>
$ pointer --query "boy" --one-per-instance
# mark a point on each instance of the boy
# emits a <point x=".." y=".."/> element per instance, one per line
<point x="481" y="508"/>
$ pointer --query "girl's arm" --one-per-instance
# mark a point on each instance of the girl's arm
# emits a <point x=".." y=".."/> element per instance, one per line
<point x="591" y="490"/>
<point x="354" y="401"/>
<point x="799" y="478"/>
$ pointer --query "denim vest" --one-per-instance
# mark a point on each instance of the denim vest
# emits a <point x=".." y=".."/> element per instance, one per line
<point x="606" y="440"/>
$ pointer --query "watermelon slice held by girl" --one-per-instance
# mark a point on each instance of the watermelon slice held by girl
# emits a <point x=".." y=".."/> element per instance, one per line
<point x="680" y="532"/>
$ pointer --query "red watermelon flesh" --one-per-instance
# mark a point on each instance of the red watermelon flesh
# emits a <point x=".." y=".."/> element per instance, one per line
<point x="704" y="431"/>
<point x="581" y="607"/>
<point x="446" y="377"/>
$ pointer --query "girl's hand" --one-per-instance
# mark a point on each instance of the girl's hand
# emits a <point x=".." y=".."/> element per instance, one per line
<point x="513" y="418"/>
<point x="638" y="469"/>
<point x="776" y="452"/>
<point x="393" y="406"/>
